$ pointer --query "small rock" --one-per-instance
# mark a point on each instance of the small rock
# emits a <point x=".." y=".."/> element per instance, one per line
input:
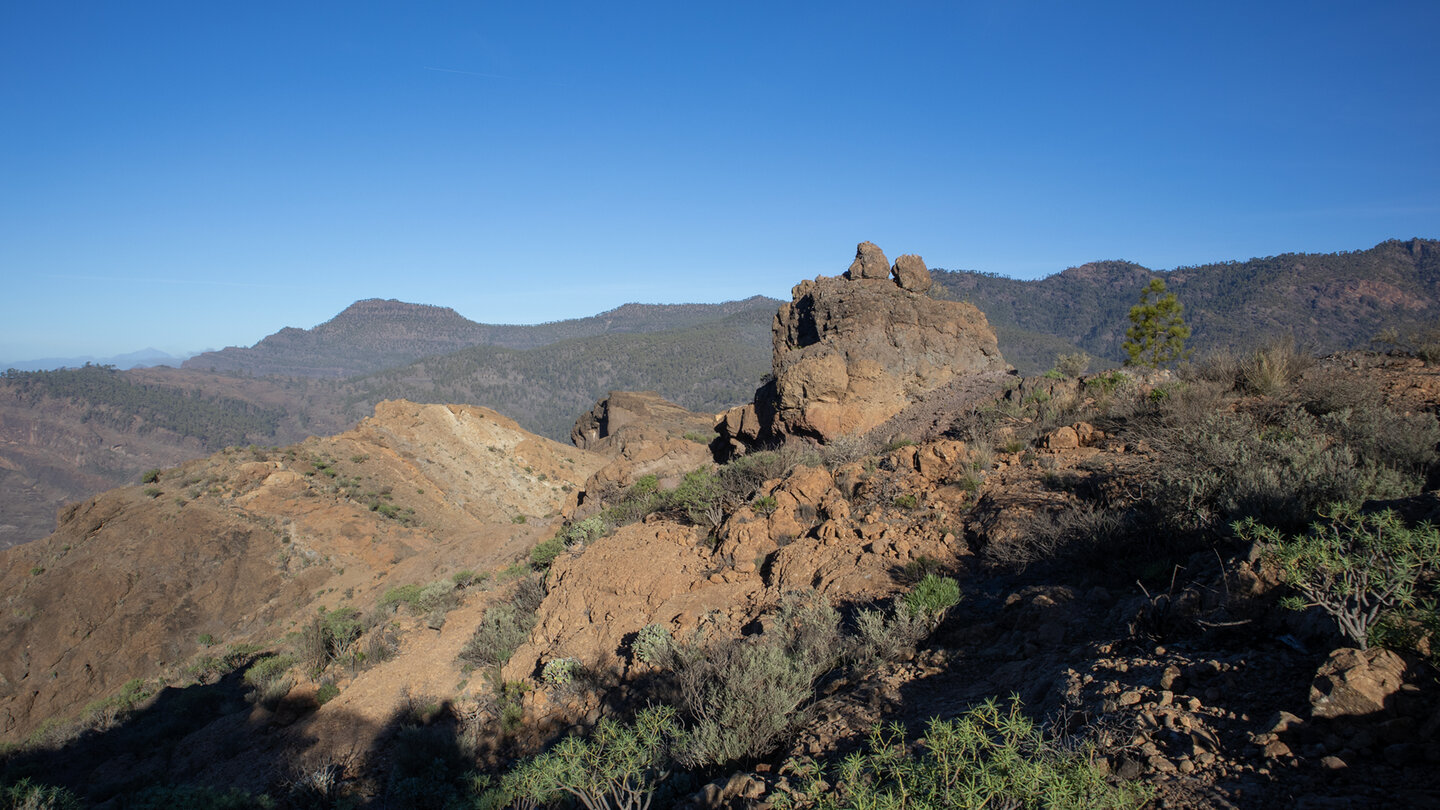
<point x="1130" y="698"/>
<point x="1283" y="721"/>
<point x="1276" y="750"/>
<point x="1333" y="763"/>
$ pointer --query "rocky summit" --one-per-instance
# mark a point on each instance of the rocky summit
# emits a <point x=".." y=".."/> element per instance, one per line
<point x="851" y="352"/>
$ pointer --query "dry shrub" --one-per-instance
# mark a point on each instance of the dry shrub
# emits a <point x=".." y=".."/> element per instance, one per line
<point x="1271" y="369"/>
<point x="744" y="695"/>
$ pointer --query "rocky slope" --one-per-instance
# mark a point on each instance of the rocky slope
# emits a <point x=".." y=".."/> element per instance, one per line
<point x="243" y="545"/>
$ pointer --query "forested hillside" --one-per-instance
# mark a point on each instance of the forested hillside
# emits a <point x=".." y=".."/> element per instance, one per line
<point x="1326" y="302"/>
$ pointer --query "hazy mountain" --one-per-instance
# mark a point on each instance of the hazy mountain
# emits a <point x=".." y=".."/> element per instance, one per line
<point x="144" y="358"/>
<point x="375" y="334"/>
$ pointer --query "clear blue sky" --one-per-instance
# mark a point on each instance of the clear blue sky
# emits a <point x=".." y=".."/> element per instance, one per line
<point x="194" y="174"/>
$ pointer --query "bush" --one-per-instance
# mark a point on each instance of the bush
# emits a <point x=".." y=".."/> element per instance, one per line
<point x="882" y="636"/>
<point x="327" y="638"/>
<point x="1277" y="467"/>
<point x="987" y="757"/>
<point x="561" y="671"/>
<point x="653" y="645"/>
<point x="1354" y="567"/>
<point x="745" y="695"/>
<point x="1072" y="365"/>
<point x="619" y="766"/>
<point x="28" y="795"/>
<point x="151" y="476"/>
<point x="269" y="678"/>
<point x="931" y="597"/>
<point x="1272" y="368"/>
<point x="504" y="627"/>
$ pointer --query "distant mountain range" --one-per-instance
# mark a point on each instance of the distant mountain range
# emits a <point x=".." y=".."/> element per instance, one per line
<point x="144" y="358"/>
<point x="376" y="334"/>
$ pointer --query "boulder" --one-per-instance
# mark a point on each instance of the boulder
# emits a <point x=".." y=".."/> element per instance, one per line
<point x="911" y="273"/>
<point x="1356" y="682"/>
<point x="870" y="262"/>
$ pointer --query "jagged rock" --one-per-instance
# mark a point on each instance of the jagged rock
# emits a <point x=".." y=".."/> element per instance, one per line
<point x="1356" y="682"/>
<point x="870" y="262"/>
<point x="911" y="273"/>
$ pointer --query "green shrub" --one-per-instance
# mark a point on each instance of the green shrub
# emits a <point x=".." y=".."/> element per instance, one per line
<point x="652" y="645"/>
<point x="618" y="766"/>
<point x="152" y="492"/>
<point x="151" y="476"/>
<point x="906" y="501"/>
<point x="561" y="671"/>
<point x="270" y="680"/>
<point x="1072" y="365"/>
<point x="546" y="551"/>
<point x="744" y="695"/>
<point x="327" y="638"/>
<point x="1278" y="467"/>
<point x="886" y="636"/>
<point x="1354" y="567"/>
<point x="327" y="692"/>
<point x="931" y="597"/>
<point x="987" y="757"/>
<point x="1271" y="369"/>
<point x="504" y="627"/>
<point x="28" y="795"/>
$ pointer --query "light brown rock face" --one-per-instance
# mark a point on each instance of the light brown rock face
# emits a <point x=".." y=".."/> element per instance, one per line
<point x="850" y="355"/>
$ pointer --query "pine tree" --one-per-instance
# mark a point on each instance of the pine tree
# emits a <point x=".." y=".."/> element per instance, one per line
<point x="1157" y="334"/>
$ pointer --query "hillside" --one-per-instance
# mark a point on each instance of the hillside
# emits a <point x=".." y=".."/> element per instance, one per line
<point x="371" y="335"/>
<point x="1326" y="302"/>
<point x="708" y="367"/>
<point x="67" y="434"/>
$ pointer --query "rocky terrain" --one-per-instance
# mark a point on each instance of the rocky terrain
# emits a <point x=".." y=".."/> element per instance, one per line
<point x="398" y="615"/>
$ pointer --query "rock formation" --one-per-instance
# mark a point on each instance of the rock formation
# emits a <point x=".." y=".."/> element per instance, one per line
<point x="853" y="351"/>
<point x="642" y="434"/>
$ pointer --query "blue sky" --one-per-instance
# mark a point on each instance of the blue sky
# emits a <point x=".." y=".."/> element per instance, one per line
<point x="191" y="175"/>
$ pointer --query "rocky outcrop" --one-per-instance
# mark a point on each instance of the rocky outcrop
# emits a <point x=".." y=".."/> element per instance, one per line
<point x="1357" y="683"/>
<point x="642" y="434"/>
<point x="850" y="353"/>
<point x="629" y="415"/>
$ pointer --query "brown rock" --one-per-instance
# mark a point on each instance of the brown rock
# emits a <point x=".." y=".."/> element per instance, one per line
<point x="870" y="262"/>
<point x="1064" y="438"/>
<point x="1356" y="682"/>
<point x="850" y="356"/>
<point x="911" y="273"/>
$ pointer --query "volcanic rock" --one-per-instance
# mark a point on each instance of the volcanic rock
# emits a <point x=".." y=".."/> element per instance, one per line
<point x="870" y="262"/>
<point x="911" y="273"/>
<point x="849" y="356"/>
